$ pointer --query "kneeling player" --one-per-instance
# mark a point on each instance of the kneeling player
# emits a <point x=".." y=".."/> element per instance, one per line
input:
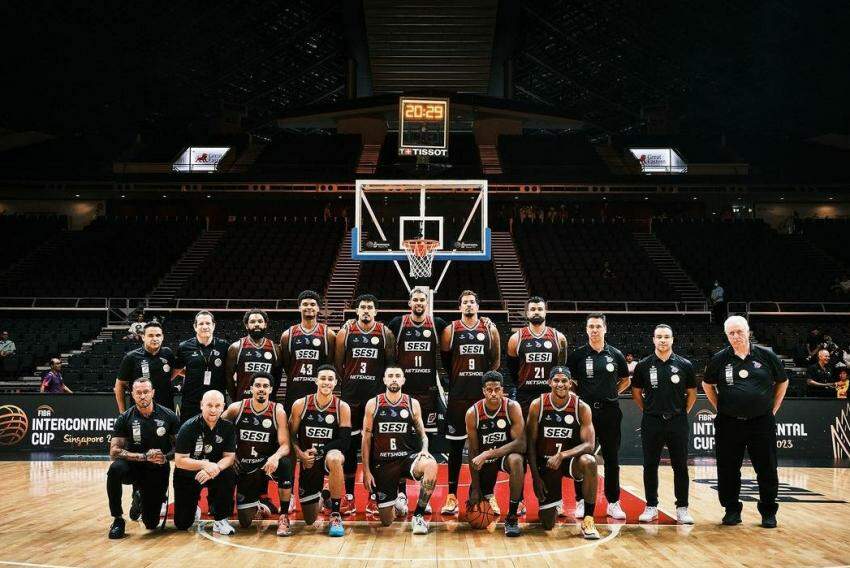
<point x="560" y="444"/>
<point x="320" y="426"/>
<point x="262" y="452"/>
<point x="496" y="443"/>
<point x="395" y="447"/>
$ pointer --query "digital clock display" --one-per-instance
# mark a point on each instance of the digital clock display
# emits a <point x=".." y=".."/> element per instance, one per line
<point x="423" y="127"/>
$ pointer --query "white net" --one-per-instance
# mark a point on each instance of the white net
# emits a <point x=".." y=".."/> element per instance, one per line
<point x="420" y="256"/>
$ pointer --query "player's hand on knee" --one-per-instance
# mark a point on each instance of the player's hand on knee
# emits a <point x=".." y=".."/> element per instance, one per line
<point x="479" y="460"/>
<point x="308" y="458"/>
<point x="368" y="481"/>
<point x="271" y="464"/>
<point x="554" y="462"/>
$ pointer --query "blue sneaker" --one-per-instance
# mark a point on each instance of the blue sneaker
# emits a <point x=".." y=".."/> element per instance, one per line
<point x="336" y="528"/>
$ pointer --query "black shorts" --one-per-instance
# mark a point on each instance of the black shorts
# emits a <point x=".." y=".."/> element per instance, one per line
<point x="456" y="418"/>
<point x="251" y="485"/>
<point x="552" y="481"/>
<point x="428" y="406"/>
<point x="387" y="476"/>
<point x="489" y="473"/>
<point x="357" y="408"/>
<point x="311" y="481"/>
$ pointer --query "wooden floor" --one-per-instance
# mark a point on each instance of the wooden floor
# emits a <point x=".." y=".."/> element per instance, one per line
<point x="55" y="513"/>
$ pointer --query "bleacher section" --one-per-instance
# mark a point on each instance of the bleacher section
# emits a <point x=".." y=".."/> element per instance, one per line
<point x="310" y="157"/>
<point x="831" y="236"/>
<point x="538" y="158"/>
<point x="382" y="279"/>
<point x="268" y="259"/>
<point x="21" y="233"/>
<point x="112" y="257"/>
<point x="750" y="259"/>
<point x="567" y="261"/>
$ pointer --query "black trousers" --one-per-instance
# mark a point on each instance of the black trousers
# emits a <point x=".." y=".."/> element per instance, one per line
<point x="150" y="479"/>
<point x="187" y="492"/>
<point x="758" y="437"/>
<point x="606" y="422"/>
<point x="655" y="433"/>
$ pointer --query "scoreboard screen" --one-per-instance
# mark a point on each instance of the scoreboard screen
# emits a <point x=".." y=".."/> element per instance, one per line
<point x="423" y="127"/>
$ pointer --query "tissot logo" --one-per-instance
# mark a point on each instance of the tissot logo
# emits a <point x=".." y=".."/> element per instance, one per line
<point x="438" y="152"/>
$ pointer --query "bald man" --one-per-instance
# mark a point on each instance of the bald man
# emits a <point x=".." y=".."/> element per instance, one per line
<point x="204" y="456"/>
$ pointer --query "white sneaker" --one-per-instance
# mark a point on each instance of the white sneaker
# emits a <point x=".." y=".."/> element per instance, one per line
<point x="263" y="511"/>
<point x="649" y="514"/>
<point x="419" y="525"/>
<point x="559" y="508"/>
<point x="401" y="505"/>
<point x="578" y="514"/>
<point x="428" y="509"/>
<point x="615" y="511"/>
<point x="223" y="527"/>
<point x="197" y="514"/>
<point x="683" y="517"/>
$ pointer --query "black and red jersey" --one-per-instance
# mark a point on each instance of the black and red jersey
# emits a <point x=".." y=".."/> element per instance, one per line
<point x="256" y="435"/>
<point x="470" y="347"/>
<point x="319" y="425"/>
<point x="537" y="355"/>
<point x="416" y="354"/>
<point x="393" y="429"/>
<point x="252" y="359"/>
<point x="364" y="362"/>
<point x="308" y="350"/>
<point x="558" y="427"/>
<point x="493" y="427"/>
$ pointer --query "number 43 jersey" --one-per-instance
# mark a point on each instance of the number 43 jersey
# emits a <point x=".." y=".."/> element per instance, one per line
<point x="308" y="350"/>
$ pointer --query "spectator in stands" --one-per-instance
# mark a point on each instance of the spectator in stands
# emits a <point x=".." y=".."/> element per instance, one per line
<point x="841" y="285"/>
<point x="718" y="302"/>
<point x="326" y="214"/>
<point x="813" y="342"/>
<point x="819" y="381"/>
<point x="842" y="381"/>
<point x="631" y="363"/>
<point x="52" y="382"/>
<point x="134" y="332"/>
<point x="7" y="349"/>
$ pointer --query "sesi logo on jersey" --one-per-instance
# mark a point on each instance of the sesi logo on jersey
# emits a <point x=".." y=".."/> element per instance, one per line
<point x="417" y="346"/>
<point x="392" y="428"/>
<point x="257" y="367"/>
<point x="494" y="438"/>
<point x="307" y="354"/>
<point x="319" y="432"/>
<point x="471" y="349"/>
<point x="554" y="432"/>
<point x="253" y="436"/>
<point x="538" y="357"/>
<point x="364" y="352"/>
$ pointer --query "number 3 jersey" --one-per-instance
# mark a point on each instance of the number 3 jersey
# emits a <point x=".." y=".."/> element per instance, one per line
<point x="308" y="350"/>
<point x="393" y="430"/>
<point x="364" y="362"/>
<point x="470" y="347"/>
<point x="256" y="435"/>
<point x="558" y="427"/>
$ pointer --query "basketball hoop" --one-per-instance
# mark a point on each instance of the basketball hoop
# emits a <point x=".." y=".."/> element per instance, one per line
<point x="420" y="255"/>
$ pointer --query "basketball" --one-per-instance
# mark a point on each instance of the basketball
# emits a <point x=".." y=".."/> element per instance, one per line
<point x="480" y="515"/>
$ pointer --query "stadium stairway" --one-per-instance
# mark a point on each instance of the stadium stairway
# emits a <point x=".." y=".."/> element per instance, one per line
<point x="490" y="162"/>
<point x="616" y="161"/>
<point x="368" y="162"/>
<point x="37" y="256"/>
<point x="342" y="284"/>
<point x="513" y="287"/>
<point x="184" y="269"/>
<point x="669" y="267"/>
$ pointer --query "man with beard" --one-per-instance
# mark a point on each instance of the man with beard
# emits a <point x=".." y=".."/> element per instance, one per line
<point x="395" y="446"/>
<point x="262" y="453"/>
<point x="254" y="353"/>
<point x="363" y="349"/>
<point x="417" y="344"/>
<point x="469" y="348"/>
<point x="152" y="361"/>
<point x="201" y="360"/>
<point x="305" y="347"/>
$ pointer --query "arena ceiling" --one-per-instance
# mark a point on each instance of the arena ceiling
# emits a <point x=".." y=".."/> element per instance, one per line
<point x="118" y="69"/>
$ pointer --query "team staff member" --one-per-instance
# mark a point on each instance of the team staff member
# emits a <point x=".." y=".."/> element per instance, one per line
<point x="746" y="385"/>
<point x="202" y="360"/>
<point x="141" y="445"/>
<point x="152" y="361"/>
<point x="664" y="387"/>
<point x="601" y="373"/>
<point x="204" y="456"/>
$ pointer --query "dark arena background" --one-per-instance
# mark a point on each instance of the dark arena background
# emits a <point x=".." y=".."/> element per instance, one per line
<point x="669" y="162"/>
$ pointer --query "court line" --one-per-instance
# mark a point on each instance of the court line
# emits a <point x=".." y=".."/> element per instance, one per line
<point x="615" y="531"/>
<point x="11" y="563"/>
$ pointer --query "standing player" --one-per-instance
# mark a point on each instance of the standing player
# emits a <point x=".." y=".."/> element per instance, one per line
<point x="320" y="429"/>
<point x="304" y="348"/>
<point x="262" y="452"/>
<point x="560" y="444"/>
<point x="254" y="353"/>
<point x="601" y="373"/>
<point x="417" y="344"/>
<point x="469" y="347"/>
<point x="395" y="446"/>
<point x="202" y="360"/>
<point x="496" y="443"/>
<point x="363" y="348"/>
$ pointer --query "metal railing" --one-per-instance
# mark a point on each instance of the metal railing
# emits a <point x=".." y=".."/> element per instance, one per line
<point x="769" y="308"/>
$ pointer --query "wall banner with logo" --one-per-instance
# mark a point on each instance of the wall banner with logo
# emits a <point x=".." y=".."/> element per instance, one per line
<point x="805" y="429"/>
<point x="57" y="422"/>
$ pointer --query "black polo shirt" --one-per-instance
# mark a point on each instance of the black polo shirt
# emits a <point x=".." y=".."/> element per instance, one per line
<point x="597" y="373"/>
<point x="745" y="386"/>
<point x="664" y="384"/>
<point x="821" y="375"/>
<point x="204" y="366"/>
<point x="144" y="433"/>
<point x="197" y="440"/>
<point x="157" y="367"/>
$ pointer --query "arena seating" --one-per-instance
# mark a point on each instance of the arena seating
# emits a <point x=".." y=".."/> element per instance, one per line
<point x="21" y="233"/>
<point x="308" y="157"/>
<point x="268" y="259"/>
<point x="464" y="161"/>
<point x="537" y="158"/>
<point x="831" y="236"/>
<point x="111" y="257"/>
<point x="567" y="261"/>
<point x="750" y="259"/>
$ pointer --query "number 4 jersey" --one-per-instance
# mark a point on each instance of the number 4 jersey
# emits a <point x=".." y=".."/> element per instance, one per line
<point x="256" y="435"/>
